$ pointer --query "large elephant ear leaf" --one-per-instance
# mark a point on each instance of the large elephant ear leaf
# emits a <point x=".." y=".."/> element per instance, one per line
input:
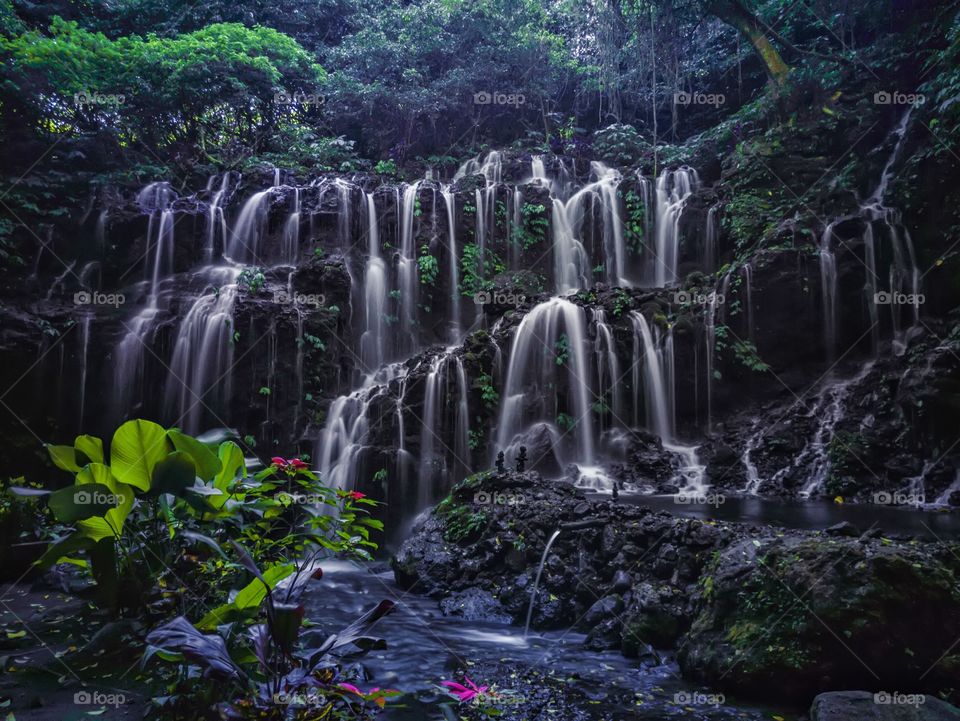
<point x="90" y="448"/>
<point x="355" y="634"/>
<point x="208" y="465"/>
<point x="232" y="465"/>
<point x="72" y="504"/>
<point x="64" y="457"/>
<point x="179" y="638"/>
<point x="173" y="474"/>
<point x="137" y="447"/>
<point x="109" y="524"/>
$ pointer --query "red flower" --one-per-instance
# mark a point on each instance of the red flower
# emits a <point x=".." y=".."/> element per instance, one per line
<point x="356" y="495"/>
<point x="297" y="463"/>
<point x="278" y="461"/>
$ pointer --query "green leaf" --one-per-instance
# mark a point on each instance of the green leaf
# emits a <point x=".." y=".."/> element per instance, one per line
<point x="91" y="447"/>
<point x="232" y="465"/>
<point x="137" y="447"/>
<point x="63" y="457"/>
<point x="111" y="523"/>
<point x="72" y="504"/>
<point x="173" y="474"/>
<point x="208" y="465"/>
<point x="62" y="548"/>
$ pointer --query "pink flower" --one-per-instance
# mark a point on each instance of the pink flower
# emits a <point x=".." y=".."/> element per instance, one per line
<point x="464" y="693"/>
<point x="356" y="495"/>
<point x="278" y="461"/>
<point x="350" y="687"/>
<point x="297" y="463"/>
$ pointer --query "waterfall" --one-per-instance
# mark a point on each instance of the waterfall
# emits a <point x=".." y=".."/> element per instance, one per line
<point x="375" y="293"/>
<point x="747" y="271"/>
<point x="450" y="203"/>
<point x="85" y="323"/>
<point x="200" y="366"/>
<point x="407" y="265"/>
<point x="750" y="468"/>
<point x="944" y="498"/>
<point x="710" y="337"/>
<point x="246" y="239"/>
<point x="711" y="242"/>
<point x="551" y="338"/>
<point x="607" y="364"/>
<point x="156" y="200"/>
<point x="658" y="391"/>
<point x="674" y="187"/>
<point x="215" y="217"/>
<point x="571" y="261"/>
<point x="828" y="291"/>
<point x="291" y="233"/>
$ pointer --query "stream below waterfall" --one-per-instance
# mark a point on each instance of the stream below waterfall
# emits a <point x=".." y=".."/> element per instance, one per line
<point x="425" y="647"/>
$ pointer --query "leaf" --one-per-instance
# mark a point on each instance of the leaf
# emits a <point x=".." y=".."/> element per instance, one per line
<point x="173" y="474"/>
<point x="62" y="548"/>
<point x="63" y="457"/>
<point x="206" y="540"/>
<point x="180" y="637"/>
<point x="111" y="524"/>
<point x="72" y="504"/>
<point x="207" y="462"/>
<point x="28" y="492"/>
<point x="137" y="447"/>
<point x="90" y="447"/>
<point x="354" y="633"/>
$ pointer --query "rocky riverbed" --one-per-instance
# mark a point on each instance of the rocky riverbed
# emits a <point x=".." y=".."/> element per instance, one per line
<point x="769" y="613"/>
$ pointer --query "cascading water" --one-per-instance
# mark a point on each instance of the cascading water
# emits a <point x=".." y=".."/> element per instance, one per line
<point x="674" y="187"/>
<point x="373" y="341"/>
<point x="549" y="347"/>
<point x="199" y="376"/>
<point x="658" y="364"/>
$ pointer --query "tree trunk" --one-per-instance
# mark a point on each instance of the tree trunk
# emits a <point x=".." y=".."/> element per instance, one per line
<point x="736" y="15"/>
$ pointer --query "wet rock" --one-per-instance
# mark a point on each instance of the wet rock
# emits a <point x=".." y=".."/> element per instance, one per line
<point x="603" y="609"/>
<point x="844" y="528"/>
<point x="866" y="706"/>
<point x="475" y="604"/>
<point x="783" y="617"/>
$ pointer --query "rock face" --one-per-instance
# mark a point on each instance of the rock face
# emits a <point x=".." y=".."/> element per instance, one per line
<point x="866" y="706"/>
<point x="796" y="615"/>
<point x="758" y="611"/>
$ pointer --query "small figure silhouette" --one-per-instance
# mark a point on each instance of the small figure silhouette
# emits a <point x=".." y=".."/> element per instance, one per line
<point x="500" y="462"/>
<point x="521" y="459"/>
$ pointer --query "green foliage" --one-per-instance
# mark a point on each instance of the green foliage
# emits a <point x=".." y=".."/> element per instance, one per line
<point x="561" y="350"/>
<point x="429" y="266"/>
<point x="746" y="353"/>
<point x="477" y="269"/>
<point x="385" y="167"/>
<point x="534" y="226"/>
<point x="208" y="87"/>
<point x="252" y="280"/>
<point x="488" y="393"/>
<point x="619" y="144"/>
<point x="634" y="227"/>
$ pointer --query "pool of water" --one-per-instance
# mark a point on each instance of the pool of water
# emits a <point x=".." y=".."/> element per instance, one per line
<point x="809" y="515"/>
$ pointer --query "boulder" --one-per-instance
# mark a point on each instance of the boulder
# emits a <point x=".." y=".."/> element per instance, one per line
<point x="883" y="706"/>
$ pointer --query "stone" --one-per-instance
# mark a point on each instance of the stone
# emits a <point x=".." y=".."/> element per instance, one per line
<point x="883" y="706"/>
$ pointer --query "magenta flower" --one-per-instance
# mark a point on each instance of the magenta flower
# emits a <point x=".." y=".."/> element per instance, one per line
<point x="464" y="693"/>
